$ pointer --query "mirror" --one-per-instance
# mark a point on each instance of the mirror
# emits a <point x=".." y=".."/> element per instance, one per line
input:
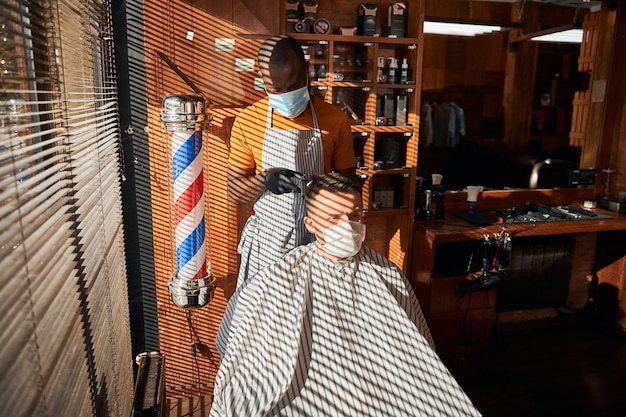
<point x="467" y="82"/>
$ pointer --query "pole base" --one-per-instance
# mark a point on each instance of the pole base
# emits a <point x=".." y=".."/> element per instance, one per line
<point x="191" y="293"/>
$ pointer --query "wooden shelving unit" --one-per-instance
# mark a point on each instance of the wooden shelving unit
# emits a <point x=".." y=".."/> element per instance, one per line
<point x="344" y="70"/>
<point x="556" y="81"/>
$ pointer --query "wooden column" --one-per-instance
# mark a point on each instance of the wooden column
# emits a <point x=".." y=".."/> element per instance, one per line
<point x="612" y="142"/>
<point x="601" y="68"/>
<point x="519" y="78"/>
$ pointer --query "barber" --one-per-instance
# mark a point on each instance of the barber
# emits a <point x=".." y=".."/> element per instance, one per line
<point x="276" y="143"/>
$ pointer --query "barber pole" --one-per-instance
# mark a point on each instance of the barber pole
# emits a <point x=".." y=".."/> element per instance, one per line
<point x="184" y="117"/>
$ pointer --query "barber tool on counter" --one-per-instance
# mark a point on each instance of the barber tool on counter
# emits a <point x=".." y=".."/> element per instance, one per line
<point x="438" y="195"/>
<point x="427" y="212"/>
<point x="496" y="259"/>
<point x="438" y="191"/>
<point x="431" y="204"/>
<point x="419" y="184"/>
<point x="472" y="197"/>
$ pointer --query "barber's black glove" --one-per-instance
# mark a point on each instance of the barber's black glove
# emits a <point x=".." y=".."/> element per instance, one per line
<point x="282" y="180"/>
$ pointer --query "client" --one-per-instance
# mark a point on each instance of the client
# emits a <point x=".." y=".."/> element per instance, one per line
<point x="332" y="329"/>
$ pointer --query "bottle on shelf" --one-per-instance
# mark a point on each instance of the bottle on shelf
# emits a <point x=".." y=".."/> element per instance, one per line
<point x="393" y="70"/>
<point x="404" y="71"/>
<point x="309" y="11"/>
<point x="292" y="10"/>
<point x="321" y="72"/>
<point x="339" y="63"/>
<point x="340" y="98"/>
<point x="381" y="77"/>
<point x="320" y="51"/>
<point x="401" y="110"/>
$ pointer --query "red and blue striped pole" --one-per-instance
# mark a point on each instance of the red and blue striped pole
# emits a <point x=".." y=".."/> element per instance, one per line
<point x="184" y="117"/>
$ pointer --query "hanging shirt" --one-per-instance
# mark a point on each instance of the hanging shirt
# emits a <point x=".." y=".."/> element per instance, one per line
<point x="426" y="126"/>
<point x="459" y="124"/>
<point x="444" y="125"/>
<point x="313" y="337"/>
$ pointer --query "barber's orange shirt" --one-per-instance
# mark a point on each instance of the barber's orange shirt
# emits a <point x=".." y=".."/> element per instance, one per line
<point x="246" y="140"/>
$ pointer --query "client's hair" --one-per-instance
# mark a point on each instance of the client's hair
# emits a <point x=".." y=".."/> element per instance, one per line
<point x="333" y="182"/>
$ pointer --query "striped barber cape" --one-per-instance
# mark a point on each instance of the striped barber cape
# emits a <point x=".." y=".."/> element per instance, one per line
<point x="309" y="336"/>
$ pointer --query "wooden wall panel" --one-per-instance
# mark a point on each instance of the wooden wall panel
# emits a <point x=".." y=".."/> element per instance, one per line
<point x="454" y="69"/>
<point x="604" y="128"/>
<point x="466" y="11"/>
<point x="213" y="70"/>
<point x="613" y="145"/>
<point x="246" y="22"/>
<point x="580" y="111"/>
<point x="603" y="36"/>
<point x="582" y="99"/>
<point x="520" y="76"/>
<point x="243" y="16"/>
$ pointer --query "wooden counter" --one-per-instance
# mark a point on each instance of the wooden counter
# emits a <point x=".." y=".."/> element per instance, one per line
<point x="452" y="228"/>
<point x="428" y="234"/>
<point x="461" y="325"/>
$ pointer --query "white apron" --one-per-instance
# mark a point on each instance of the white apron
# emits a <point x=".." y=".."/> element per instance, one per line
<point x="277" y="223"/>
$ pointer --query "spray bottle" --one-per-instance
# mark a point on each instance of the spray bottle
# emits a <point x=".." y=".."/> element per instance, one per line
<point x="393" y="70"/>
<point x="404" y="71"/>
<point x="380" y="76"/>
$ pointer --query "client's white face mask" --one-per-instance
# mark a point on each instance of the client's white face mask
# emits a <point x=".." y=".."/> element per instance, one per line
<point x="344" y="239"/>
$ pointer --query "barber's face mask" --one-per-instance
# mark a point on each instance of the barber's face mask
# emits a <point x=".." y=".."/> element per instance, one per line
<point x="292" y="103"/>
<point x="344" y="239"/>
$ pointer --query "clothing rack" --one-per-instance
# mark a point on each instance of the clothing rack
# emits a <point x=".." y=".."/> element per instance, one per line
<point x="442" y="121"/>
<point x="451" y="99"/>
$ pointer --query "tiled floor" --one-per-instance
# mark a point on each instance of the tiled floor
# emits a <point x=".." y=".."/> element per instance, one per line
<point x="570" y="365"/>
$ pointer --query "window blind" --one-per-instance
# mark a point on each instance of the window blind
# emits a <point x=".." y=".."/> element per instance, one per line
<point x="65" y="345"/>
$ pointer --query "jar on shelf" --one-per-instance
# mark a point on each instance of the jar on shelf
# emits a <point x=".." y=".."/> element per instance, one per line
<point x="321" y="71"/>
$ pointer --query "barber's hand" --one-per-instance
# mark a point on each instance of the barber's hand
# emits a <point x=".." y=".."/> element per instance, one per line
<point x="282" y="180"/>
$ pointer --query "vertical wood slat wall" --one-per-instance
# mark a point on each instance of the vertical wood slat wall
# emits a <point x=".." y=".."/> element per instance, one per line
<point x="164" y="28"/>
<point x="582" y="98"/>
<point x="64" y="322"/>
<point x="190" y="371"/>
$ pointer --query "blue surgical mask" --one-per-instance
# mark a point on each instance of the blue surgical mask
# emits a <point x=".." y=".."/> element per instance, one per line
<point x="292" y="103"/>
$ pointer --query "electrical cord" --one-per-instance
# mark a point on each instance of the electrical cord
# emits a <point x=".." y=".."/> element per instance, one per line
<point x="194" y="355"/>
<point x="468" y="339"/>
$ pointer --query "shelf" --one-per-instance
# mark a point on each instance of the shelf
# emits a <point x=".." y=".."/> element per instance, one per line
<point x="344" y="71"/>
<point x="365" y="84"/>
<point x="364" y="40"/>
<point x="388" y="212"/>
<point x="404" y="171"/>
<point x="408" y="86"/>
<point x="383" y="129"/>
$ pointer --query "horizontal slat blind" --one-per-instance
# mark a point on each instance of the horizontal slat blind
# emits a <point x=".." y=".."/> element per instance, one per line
<point x="64" y="327"/>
